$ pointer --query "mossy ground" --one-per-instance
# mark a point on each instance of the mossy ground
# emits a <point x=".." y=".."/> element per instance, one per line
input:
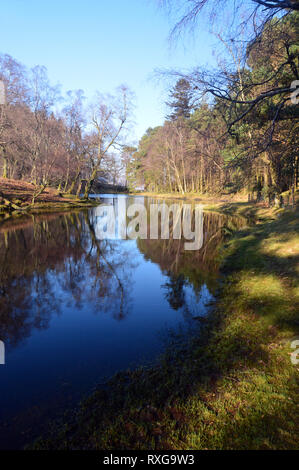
<point x="233" y="386"/>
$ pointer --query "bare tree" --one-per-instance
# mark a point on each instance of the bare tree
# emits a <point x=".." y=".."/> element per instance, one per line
<point x="240" y="91"/>
<point x="13" y="77"/>
<point x="109" y="114"/>
<point x="73" y="115"/>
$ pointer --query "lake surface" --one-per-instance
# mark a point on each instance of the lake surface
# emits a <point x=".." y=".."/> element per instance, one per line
<point x="75" y="309"/>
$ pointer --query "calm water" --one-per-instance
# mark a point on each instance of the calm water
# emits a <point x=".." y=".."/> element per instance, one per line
<point x="75" y="309"/>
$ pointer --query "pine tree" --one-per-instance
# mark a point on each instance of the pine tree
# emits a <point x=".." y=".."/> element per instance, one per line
<point x="180" y="100"/>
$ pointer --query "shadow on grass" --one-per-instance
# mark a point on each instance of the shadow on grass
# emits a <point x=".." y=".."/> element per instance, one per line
<point x="263" y="264"/>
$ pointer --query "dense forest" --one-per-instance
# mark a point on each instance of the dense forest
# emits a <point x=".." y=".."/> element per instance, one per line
<point x="235" y="128"/>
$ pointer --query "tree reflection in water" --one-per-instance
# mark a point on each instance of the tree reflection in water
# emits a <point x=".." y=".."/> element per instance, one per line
<point x="41" y="253"/>
<point x="196" y="270"/>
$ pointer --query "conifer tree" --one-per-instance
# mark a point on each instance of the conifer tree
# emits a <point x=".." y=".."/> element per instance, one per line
<point x="180" y="100"/>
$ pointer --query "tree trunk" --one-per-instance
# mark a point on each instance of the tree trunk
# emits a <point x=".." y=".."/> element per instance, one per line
<point x="79" y="188"/>
<point x="5" y="165"/>
<point x="74" y="182"/>
<point x="4" y="175"/>
<point x="89" y="184"/>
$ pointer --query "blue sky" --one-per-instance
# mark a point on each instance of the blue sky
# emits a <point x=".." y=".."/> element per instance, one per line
<point x="100" y="44"/>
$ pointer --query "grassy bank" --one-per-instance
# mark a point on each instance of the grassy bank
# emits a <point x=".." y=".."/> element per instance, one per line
<point x="233" y="386"/>
<point x="18" y="198"/>
<point x="204" y="198"/>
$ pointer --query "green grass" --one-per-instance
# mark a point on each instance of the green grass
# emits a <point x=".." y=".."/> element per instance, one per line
<point x="232" y="386"/>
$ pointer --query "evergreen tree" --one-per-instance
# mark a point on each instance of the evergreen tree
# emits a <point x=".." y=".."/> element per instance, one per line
<point x="180" y="100"/>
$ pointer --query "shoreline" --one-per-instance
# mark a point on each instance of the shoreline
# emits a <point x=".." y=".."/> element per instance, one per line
<point x="10" y="213"/>
<point x="16" y="200"/>
<point x="233" y="386"/>
<point x="204" y="198"/>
